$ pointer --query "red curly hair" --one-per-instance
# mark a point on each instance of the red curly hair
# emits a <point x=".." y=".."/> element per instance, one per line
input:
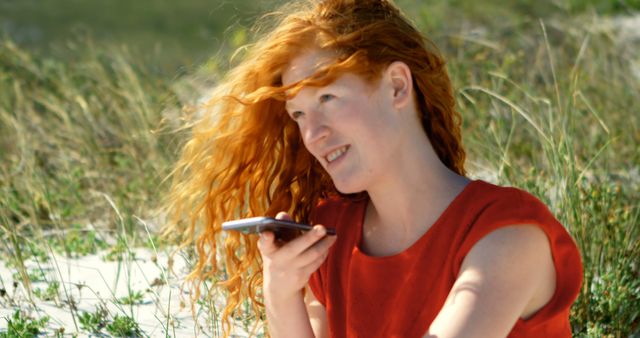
<point x="246" y="157"/>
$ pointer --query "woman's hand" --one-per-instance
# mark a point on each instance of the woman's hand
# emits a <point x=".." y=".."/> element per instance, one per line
<point x="287" y="267"/>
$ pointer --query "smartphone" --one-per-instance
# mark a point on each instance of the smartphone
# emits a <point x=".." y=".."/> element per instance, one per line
<point x="284" y="230"/>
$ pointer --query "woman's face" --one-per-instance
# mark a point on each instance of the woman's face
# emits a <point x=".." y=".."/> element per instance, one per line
<point x="349" y="126"/>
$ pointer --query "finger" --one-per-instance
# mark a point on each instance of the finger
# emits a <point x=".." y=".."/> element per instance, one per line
<point x="283" y="215"/>
<point x="266" y="243"/>
<point x="317" y="251"/>
<point x="302" y="243"/>
<point x="310" y="268"/>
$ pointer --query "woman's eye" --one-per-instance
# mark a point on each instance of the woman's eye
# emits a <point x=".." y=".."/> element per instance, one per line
<point x="296" y="114"/>
<point x="325" y="97"/>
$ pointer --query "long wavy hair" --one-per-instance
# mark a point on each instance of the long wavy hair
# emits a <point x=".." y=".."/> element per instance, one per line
<point x="245" y="156"/>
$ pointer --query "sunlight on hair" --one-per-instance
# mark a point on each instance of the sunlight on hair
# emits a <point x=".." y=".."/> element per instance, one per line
<point x="246" y="157"/>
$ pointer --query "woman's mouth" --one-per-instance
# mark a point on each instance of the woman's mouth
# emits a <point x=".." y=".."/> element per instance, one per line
<point x="334" y="155"/>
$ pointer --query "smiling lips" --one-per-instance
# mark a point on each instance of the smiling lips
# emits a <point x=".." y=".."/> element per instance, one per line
<point x="332" y="156"/>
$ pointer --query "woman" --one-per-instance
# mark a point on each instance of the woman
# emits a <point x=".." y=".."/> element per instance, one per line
<point x="343" y="116"/>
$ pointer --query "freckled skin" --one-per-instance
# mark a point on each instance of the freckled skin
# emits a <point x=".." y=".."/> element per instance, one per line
<point x="346" y="112"/>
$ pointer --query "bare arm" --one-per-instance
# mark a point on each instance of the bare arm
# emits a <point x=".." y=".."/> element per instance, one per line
<point x="317" y="315"/>
<point x="508" y="274"/>
<point x="286" y="271"/>
<point x="288" y="318"/>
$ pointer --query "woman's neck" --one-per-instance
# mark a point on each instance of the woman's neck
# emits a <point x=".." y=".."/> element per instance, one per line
<point x="415" y="191"/>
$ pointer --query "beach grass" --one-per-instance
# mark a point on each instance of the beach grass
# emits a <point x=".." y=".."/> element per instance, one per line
<point x="549" y="99"/>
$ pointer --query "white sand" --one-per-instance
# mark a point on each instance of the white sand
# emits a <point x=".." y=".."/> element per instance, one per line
<point x="91" y="280"/>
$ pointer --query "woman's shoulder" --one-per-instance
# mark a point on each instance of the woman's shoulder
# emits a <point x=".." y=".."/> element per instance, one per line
<point x="506" y="207"/>
<point x="493" y="207"/>
<point x="508" y="203"/>
<point x="502" y="207"/>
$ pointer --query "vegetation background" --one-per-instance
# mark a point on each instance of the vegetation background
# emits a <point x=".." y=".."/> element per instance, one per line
<point x="92" y="94"/>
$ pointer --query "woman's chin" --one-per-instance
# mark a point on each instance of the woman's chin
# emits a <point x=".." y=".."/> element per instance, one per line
<point x="345" y="188"/>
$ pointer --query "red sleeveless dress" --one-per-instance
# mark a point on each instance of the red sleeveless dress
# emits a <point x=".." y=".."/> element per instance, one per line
<point x="400" y="295"/>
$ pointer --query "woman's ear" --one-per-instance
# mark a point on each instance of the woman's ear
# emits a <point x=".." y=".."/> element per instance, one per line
<point x="401" y="81"/>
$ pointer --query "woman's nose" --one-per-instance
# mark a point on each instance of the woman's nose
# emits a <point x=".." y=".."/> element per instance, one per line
<point x="315" y="128"/>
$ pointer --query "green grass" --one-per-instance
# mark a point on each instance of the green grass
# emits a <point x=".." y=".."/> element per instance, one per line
<point x="168" y="34"/>
<point x="133" y="298"/>
<point x="21" y="325"/>
<point x="94" y="322"/>
<point x="75" y="133"/>
<point x="124" y="326"/>
<point x="548" y="105"/>
<point x="50" y="293"/>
